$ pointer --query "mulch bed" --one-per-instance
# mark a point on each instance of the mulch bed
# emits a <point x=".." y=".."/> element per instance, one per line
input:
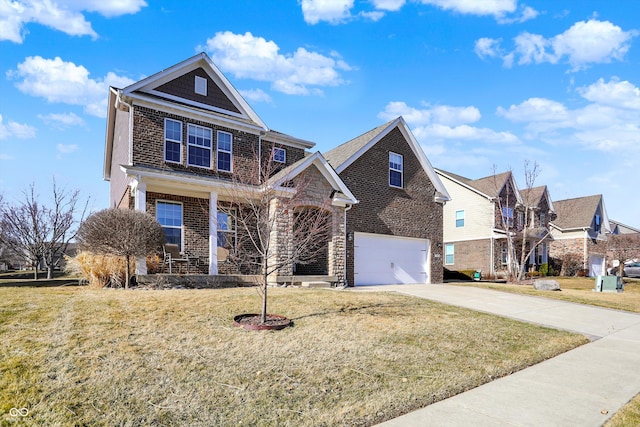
<point x="254" y="322"/>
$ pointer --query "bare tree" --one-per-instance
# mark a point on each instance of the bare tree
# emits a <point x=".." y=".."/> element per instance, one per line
<point x="277" y="222"/>
<point x="121" y="232"/>
<point x="623" y="247"/>
<point x="506" y="201"/>
<point x="39" y="231"/>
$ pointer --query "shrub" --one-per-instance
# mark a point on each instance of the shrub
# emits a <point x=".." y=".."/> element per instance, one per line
<point x="104" y="270"/>
<point x="544" y="269"/>
<point x="531" y="274"/>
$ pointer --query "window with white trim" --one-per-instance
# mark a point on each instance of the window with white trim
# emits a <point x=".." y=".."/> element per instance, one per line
<point x="172" y="141"/>
<point x="224" y="153"/>
<point x="169" y="215"/>
<point x="395" y="170"/>
<point x="507" y="216"/>
<point x="504" y="253"/>
<point x="226" y="229"/>
<point x="200" y="86"/>
<point x="279" y="155"/>
<point x="199" y="146"/>
<point x="459" y="219"/>
<point x="449" y="252"/>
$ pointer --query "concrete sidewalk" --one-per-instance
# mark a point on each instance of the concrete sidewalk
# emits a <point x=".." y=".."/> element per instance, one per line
<point x="583" y="387"/>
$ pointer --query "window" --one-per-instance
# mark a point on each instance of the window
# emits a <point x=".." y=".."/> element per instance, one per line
<point x="504" y="253"/>
<point x="395" y="170"/>
<point x="507" y="216"/>
<point x="201" y="86"/>
<point x="459" y="219"/>
<point x="226" y="230"/>
<point x="543" y="218"/>
<point x="596" y="220"/>
<point x="199" y="142"/>
<point x="169" y="215"/>
<point x="521" y="219"/>
<point x="172" y="141"/>
<point x="448" y="253"/>
<point x="224" y="151"/>
<point x="279" y="155"/>
<point x="541" y="254"/>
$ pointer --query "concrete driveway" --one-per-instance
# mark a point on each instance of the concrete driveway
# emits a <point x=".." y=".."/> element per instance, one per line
<point x="582" y="387"/>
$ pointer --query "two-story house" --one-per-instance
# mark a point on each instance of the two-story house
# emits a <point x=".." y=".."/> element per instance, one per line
<point x="580" y="229"/>
<point x="489" y="219"/>
<point x="176" y="140"/>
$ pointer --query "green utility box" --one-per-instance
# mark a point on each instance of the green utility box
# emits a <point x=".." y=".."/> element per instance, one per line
<point x="609" y="284"/>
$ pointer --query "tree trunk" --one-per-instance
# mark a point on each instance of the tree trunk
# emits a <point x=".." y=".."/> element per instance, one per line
<point x="35" y="271"/>
<point x="126" y="273"/>
<point x="263" y="318"/>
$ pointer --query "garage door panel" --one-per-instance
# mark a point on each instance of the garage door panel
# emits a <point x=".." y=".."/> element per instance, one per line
<point x="381" y="259"/>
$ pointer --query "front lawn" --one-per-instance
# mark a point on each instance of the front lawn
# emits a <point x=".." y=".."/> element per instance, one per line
<point x="76" y="356"/>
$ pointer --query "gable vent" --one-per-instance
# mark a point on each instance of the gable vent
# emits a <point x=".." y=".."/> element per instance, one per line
<point x="201" y="86"/>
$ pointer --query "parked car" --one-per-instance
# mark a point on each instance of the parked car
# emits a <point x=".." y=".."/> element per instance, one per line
<point x="631" y="269"/>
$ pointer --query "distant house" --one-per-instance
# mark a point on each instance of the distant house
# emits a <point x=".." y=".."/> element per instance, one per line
<point x="619" y="228"/>
<point x="483" y="213"/>
<point x="581" y="229"/>
<point x="175" y="141"/>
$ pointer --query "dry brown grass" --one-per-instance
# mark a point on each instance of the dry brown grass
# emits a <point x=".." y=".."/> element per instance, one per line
<point x="576" y="289"/>
<point x="78" y="356"/>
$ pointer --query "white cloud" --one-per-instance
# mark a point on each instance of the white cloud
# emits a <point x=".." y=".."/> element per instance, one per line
<point x="608" y="121"/>
<point x="332" y="11"/>
<point x="65" y="82"/>
<point x="443" y="122"/>
<point x="583" y="44"/>
<point x="66" y="16"/>
<point x="390" y="5"/>
<point x="5" y="157"/>
<point x="256" y="95"/>
<point x="66" y="148"/>
<point x="62" y="120"/>
<point x="614" y="93"/>
<point x="247" y="56"/>
<point x="504" y="11"/>
<point x="488" y="47"/>
<point x="16" y="130"/>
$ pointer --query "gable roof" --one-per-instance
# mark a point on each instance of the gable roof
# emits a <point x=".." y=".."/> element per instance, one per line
<point x="533" y="196"/>
<point x="225" y="99"/>
<point x="489" y="187"/>
<point x="345" y="154"/>
<point x="578" y="213"/>
<point x="343" y="194"/>
<point x="622" y="228"/>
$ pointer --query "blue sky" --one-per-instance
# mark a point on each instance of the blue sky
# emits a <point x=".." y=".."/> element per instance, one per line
<point x="480" y="82"/>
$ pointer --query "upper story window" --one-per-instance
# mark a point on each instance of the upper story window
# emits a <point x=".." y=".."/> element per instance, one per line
<point x="199" y="146"/>
<point x="201" y="86"/>
<point x="507" y="216"/>
<point x="225" y="144"/>
<point x="521" y="219"/>
<point x="279" y="155"/>
<point x="169" y="215"/>
<point x="460" y="218"/>
<point x="596" y="221"/>
<point x="172" y="141"/>
<point x="543" y="219"/>
<point x="395" y="170"/>
<point x="449" y="253"/>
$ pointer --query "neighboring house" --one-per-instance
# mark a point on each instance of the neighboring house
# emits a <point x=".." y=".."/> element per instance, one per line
<point x="620" y="228"/>
<point x="580" y="229"/>
<point x="483" y="213"/>
<point x="394" y="233"/>
<point x="176" y="140"/>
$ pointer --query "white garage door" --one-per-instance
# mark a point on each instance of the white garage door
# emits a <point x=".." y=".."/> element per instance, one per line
<point x="383" y="260"/>
<point x="596" y="265"/>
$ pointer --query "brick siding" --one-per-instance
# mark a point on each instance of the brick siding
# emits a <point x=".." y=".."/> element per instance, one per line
<point x="408" y="212"/>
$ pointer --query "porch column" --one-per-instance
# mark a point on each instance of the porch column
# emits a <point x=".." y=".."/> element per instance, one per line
<point x="213" y="233"/>
<point x="140" y="204"/>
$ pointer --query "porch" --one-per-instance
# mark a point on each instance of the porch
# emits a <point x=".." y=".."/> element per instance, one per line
<point x="207" y="281"/>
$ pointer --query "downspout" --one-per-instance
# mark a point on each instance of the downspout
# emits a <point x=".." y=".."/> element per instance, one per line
<point x="584" y="250"/>
<point x="346" y="209"/>
<point x="130" y="107"/>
